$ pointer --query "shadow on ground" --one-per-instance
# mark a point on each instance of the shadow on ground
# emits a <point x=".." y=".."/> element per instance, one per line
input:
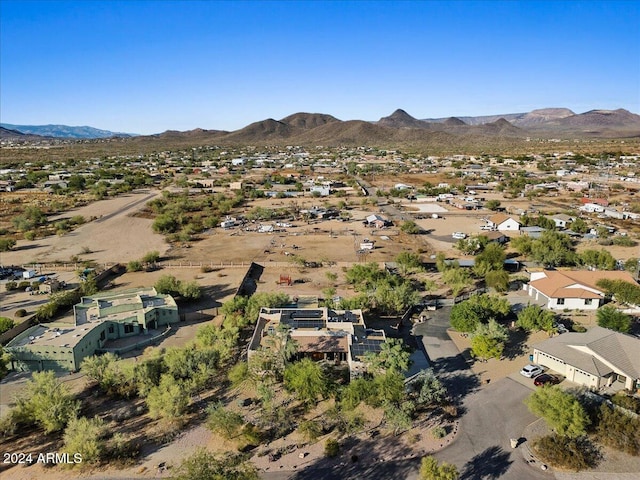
<point x="489" y="464"/>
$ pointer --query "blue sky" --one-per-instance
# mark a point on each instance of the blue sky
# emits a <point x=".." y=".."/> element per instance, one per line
<point x="149" y="66"/>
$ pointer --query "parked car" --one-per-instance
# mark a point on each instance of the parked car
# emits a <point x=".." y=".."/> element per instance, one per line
<point x="531" y="371"/>
<point x="545" y="379"/>
<point x="560" y="327"/>
<point x="459" y="235"/>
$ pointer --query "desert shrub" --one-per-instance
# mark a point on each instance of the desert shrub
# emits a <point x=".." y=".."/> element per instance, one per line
<point x="6" y="324"/>
<point x="331" y="448"/>
<point x="624" y="242"/>
<point x="85" y="436"/>
<point x="627" y="401"/>
<point x="21" y="312"/>
<point x="238" y="373"/>
<point x="134" y="266"/>
<point x="564" y="452"/>
<point x="206" y="269"/>
<point x="11" y="286"/>
<point x="23" y="285"/>
<point x="618" y="430"/>
<point x="222" y="421"/>
<point x="310" y="430"/>
<point x="579" y="328"/>
<point x="30" y="235"/>
<point x="438" y="432"/>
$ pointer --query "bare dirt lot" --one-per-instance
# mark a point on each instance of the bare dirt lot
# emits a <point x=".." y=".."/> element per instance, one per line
<point x="115" y="235"/>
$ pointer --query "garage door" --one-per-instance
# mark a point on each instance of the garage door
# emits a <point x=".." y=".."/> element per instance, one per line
<point x="551" y="362"/>
<point x="583" y="378"/>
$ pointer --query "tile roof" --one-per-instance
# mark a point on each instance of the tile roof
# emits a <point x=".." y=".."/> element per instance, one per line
<point x="498" y="218"/>
<point x="598" y="351"/>
<point x="321" y="344"/>
<point x="571" y="284"/>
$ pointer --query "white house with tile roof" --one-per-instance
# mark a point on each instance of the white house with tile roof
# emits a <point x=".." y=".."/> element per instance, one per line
<point x="572" y="289"/>
<point x="503" y="222"/>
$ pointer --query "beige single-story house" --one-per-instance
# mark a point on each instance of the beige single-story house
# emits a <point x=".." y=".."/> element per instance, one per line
<point x="572" y="289"/>
<point x="596" y="359"/>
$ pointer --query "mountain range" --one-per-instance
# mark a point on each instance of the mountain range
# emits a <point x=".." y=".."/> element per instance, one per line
<point x="64" y="131"/>
<point x="397" y="128"/>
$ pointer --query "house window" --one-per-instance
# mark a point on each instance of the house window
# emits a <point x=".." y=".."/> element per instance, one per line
<point x="102" y="335"/>
<point x="128" y="328"/>
<point x="110" y="328"/>
<point x="588" y="301"/>
<point x="560" y="301"/>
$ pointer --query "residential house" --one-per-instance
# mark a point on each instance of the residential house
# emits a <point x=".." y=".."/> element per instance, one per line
<point x="321" y="334"/>
<point x="503" y="222"/>
<point x="494" y="236"/>
<point x="561" y="220"/>
<point x="98" y="319"/>
<point x="597" y="358"/>
<point x="376" y="221"/>
<point x="572" y="289"/>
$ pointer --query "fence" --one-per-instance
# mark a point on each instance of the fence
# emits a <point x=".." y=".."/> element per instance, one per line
<point x="137" y="345"/>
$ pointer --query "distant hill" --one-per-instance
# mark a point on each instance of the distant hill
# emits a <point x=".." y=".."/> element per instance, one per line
<point x="501" y="132"/>
<point x="65" y="131"/>
<point x="9" y="134"/>
<point x="401" y="119"/>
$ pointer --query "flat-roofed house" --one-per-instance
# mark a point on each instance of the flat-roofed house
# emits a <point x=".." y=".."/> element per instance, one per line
<point x="572" y="289"/>
<point x="98" y="319"/>
<point x="320" y="333"/>
<point x="597" y="358"/>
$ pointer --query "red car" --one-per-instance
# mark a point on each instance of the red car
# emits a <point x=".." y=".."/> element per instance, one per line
<point x="545" y="379"/>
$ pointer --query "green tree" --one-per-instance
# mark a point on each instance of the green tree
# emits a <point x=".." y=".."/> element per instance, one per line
<point x="579" y="226"/>
<point x="204" y="465"/>
<point x="393" y="355"/>
<point x="6" y="324"/>
<point x="427" y="389"/>
<point x="492" y="204"/>
<point x="611" y="317"/>
<point x="307" y="380"/>
<point x="465" y="316"/>
<point x="168" y="284"/>
<point x="498" y="280"/>
<point x="553" y="249"/>
<point x="169" y="400"/>
<point x="490" y="259"/>
<point x="7" y="244"/>
<point x="86" y="437"/>
<point x="431" y="470"/>
<point x="600" y="260"/>
<point x="457" y="279"/>
<point x="492" y="329"/>
<point x="190" y="290"/>
<point x="410" y="227"/>
<point x="622" y="291"/>
<point x="534" y="318"/>
<point x="408" y="261"/>
<point x="47" y="402"/>
<point x="223" y="421"/>
<point x="485" y="347"/>
<point x="561" y="410"/>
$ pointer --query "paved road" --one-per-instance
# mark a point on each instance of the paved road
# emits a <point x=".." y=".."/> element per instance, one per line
<point x="493" y="414"/>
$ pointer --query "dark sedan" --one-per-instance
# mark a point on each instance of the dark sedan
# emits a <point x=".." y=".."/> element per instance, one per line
<point x="545" y="379"/>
